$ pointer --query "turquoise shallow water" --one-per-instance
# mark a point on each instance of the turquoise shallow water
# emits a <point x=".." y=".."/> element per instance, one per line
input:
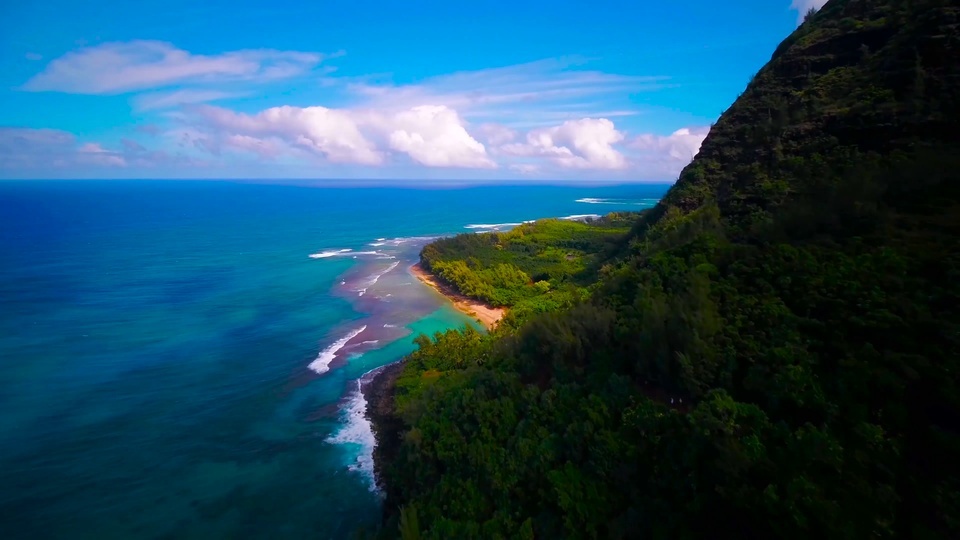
<point x="173" y="363"/>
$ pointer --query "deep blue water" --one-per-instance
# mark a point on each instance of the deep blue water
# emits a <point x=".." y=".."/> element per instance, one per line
<point x="157" y="338"/>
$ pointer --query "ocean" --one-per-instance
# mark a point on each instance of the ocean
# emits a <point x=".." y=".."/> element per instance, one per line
<point x="182" y="358"/>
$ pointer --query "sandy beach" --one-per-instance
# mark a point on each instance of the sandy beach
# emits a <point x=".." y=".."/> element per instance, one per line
<point x="489" y="316"/>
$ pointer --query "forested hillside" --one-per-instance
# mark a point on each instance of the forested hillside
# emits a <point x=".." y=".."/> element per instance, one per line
<point x="770" y="352"/>
<point x="535" y="267"/>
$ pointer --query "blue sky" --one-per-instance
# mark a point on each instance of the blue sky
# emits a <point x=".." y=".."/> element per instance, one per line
<point x="556" y="90"/>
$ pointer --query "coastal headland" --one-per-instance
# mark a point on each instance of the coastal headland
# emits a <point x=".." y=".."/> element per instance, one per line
<point x="488" y="315"/>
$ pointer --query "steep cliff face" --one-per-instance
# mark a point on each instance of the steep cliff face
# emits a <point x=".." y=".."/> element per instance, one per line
<point x="806" y="260"/>
<point x="775" y="352"/>
<point x="861" y="77"/>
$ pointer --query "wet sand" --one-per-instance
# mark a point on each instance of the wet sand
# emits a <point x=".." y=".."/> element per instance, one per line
<point x="489" y="316"/>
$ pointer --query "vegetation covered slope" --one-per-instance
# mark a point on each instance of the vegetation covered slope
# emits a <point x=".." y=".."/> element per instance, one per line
<point x="534" y="267"/>
<point x="774" y="355"/>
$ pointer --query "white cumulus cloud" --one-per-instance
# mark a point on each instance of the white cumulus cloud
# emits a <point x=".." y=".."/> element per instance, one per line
<point x="582" y="144"/>
<point x="681" y="145"/>
<point x="434" y="136"/>
<point x="332" y="133"/>
<point x="431" y="135"/>
<point x="667" y="155"/>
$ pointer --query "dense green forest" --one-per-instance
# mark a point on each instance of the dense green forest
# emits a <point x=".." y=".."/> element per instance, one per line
<point x="770" y="352"/>
<point x="533" y="268"/>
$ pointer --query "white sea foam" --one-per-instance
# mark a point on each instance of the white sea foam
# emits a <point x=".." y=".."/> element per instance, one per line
<point x="347" y="253"/>
<point x="581" y="217"/>
<point x="356" y="429"/>
<point x="376" y="277"/>
<point x="329" y="253"/>
<point x="395" y="242"/>
<point x="376" y="244"/>
<point x="389" y="326"/>
<point x="635" y="202"/>
<point x="321" y="364"/>
<point x="597" y="200"/>
<point x="490" y="225"/>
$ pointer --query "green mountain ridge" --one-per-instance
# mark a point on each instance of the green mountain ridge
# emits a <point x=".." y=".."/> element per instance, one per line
<point x="772" y="351"/>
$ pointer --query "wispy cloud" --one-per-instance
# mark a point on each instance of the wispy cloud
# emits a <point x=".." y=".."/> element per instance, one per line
<point x="119" y="67"/>
<point x="149" y="129"/>
<point x="23" y="150"/>
<point x="532" y="94"/>
<point x="25" y="147"/>
<point x="98" y="155"/>
<point x="164" y="100"/>
<point x="544" y="118"/>
<point x="525" y="168"/>
<point x="496" y="134"/>
<point x="264" y="148"/>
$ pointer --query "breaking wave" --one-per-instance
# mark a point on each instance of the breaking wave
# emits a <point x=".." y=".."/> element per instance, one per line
<point x="636" y="202"/>
<point x="348" y="253"/>
<point x="321" y="364"/>
<point x="493" y="226"/>
<point x="356" y="429"/>
<point x="329" y="253"/>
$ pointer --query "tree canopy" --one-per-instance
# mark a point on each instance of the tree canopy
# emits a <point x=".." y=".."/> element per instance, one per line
<point x="770" y="352"/>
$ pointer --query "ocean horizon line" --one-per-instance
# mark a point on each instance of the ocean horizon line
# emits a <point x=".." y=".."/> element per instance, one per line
<point x="365" y="182"/>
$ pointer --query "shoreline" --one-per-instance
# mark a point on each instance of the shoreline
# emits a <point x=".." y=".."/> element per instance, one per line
<point x="386" y="426"/>
<point x="486" y="314"/>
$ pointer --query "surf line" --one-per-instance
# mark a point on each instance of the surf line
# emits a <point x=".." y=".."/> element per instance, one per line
<point x="321" y="364"/>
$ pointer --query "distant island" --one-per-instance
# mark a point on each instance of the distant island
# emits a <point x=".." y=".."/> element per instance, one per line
<point x="770" y="352"/>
